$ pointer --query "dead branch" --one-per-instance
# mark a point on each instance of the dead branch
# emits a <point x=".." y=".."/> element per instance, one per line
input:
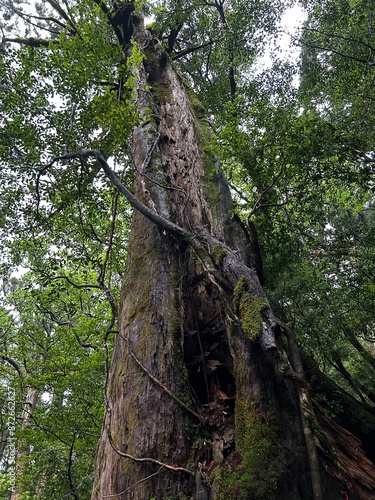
<point x="160" y="384"/>
<point x="131" y="486"/>
<point x="163" y="223"/>
<point x="143" y="459"/>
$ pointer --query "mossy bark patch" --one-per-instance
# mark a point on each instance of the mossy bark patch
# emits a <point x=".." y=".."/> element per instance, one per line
<point x="262" y="456"/>
<point x="249" y="308"/>
<point x="257" y="466"/>
<point x="218" y="253"/>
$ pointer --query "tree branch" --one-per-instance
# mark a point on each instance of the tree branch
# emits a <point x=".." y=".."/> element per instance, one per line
<point x="143" y="480"/>
<point x="143" y="459"/>
<point x="189" y="50"/>
<point x="163" y="223"/>
<point x="14" y="363"/>
<point x="74" y="284"/>
<point x="62" y="13"/>
<point x="337" y="52"/>
<point x="70" y="466"/>
<point x="265" y="191"/>
<point x="32" y="41"/>
<point x="172" y="37"/>
<point x="111" y="19"/>
<point x="341" y="37"/>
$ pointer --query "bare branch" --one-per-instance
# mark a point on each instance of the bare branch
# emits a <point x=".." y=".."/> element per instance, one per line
<point x="14" y="363"/>
<point x="143" y="480"/>
<point x="143" y="459"/>
<point x="32" y="41"/>
<point x="189" y="50"/>
<point x="160" y="384"/>
<point x="163" y="223"/>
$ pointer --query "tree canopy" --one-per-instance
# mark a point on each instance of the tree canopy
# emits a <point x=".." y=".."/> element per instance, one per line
<point x="299" y="159"/>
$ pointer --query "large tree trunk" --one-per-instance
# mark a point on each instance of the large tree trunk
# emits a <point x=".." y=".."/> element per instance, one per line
<point x="201" y="402"/>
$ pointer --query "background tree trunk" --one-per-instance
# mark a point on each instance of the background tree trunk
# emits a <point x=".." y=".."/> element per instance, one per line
<point x="201" y="401"/>
<point x="22" y="451"/>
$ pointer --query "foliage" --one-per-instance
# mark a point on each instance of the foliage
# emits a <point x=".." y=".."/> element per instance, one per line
<point x="300" y="162"/>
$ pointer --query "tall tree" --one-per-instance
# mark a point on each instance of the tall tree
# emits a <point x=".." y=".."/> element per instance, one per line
<point x="206" y="395"/>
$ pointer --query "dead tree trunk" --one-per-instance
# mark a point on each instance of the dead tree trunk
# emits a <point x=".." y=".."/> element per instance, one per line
<point x="202" y="401"/>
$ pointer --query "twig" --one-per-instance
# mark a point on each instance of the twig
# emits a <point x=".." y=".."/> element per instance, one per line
<point x="265" y="191"/>
<point x="240" y="193"/>
<point x="143" y="459"/>
<point x="130" y="487"/>
<point x="160" y="384"/>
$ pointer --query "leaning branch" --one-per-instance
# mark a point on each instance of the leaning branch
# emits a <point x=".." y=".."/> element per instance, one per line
<point x="163" y="223"/>
<point x="13" y="363"/>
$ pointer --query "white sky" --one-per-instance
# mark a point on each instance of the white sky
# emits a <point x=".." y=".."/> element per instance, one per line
<point x="289" y="25"/>
<point x="291" y="22"/>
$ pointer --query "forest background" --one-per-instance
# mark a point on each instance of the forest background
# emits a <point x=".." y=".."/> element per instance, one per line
<point x="295" y="140"/>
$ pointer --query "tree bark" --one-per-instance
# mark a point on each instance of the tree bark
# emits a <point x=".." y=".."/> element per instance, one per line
<point x="202" y="401"/>
<point x="22" y="451"/>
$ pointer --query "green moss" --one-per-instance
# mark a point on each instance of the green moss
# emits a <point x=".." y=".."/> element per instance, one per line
<point x="249" y="309"/>
<point x="161" y="92"/>
<point x="263" y="459"/>
<point x="226" y="484"/>
<point x="218" y="253"/>
<point x="197" y="107"/>
<point x="257" y="465"/>
<point x="150" y="119"/>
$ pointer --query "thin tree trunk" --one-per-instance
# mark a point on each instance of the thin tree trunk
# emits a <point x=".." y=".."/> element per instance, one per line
<point x="4" y="434"/>
<point x="365" y="353"/>
<point x="30" y="403"/>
